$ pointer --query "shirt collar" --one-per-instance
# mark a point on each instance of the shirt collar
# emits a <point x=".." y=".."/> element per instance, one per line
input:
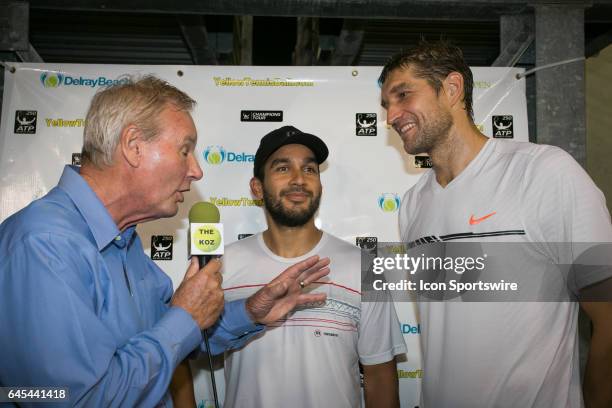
<point x="96" y="216"/>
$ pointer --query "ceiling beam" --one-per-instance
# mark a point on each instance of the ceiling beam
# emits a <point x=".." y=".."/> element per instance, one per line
<point x="489" y="10"/>
<point x="30" y="55"/>
<point x="195" y="35"/>
<point x="349" y="42"/>
<point x="307" y="41"/>
<point x="243" y="40"/>
<point x="516" y="35"/>
<point x="14" y="26"/>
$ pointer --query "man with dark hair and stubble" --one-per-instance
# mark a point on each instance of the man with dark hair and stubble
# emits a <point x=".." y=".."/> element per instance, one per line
<point x="311" y="358"/>
<point x="495" y="354"/>
<point x="81" y="305"/>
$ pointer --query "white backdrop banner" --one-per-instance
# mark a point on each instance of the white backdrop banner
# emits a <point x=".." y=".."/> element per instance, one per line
<point x="363" y="179"/>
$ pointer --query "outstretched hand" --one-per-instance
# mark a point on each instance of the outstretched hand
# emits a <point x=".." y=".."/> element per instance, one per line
<point x="284" y="293"/>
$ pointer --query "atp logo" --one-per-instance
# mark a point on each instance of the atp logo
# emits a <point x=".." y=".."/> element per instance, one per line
<point x="389" y="202"/>
<point x="365" y="124"/>
<point x="214" y="155"/>
<point x="25" y="122"/>
<point x="51" y="79"/>
<point x="161" y="247"/>
<point x="502" y="127"/>
<point x="76" y="160"/>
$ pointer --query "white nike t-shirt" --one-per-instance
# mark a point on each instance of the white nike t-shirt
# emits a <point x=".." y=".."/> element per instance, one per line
<point x="310" y="359"/>
<point x="505" y="354"/>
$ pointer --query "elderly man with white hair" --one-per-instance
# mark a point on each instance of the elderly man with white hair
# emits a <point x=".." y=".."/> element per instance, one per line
<point x="81" y="305"/>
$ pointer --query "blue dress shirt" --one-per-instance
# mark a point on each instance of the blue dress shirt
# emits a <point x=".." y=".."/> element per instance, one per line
<point x="82" y="306"/>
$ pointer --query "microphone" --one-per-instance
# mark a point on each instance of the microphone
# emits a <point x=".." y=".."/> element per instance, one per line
<point x="205" y="232"/>
<point x="206" y="242"/>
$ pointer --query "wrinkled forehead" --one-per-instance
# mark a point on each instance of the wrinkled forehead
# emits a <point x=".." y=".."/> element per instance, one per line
<point x="398" y="80"/>
<point x="405" y="73"/>
<point x="178" y="124"/>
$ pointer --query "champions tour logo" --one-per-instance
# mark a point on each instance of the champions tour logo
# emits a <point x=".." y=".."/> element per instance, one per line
<point x="389" y="202"/>
<point x="423" y="162"/>
<point x="51" y="79"/>
<point x="216" y="155"/>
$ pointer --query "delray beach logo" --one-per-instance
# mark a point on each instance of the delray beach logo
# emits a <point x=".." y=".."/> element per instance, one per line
<point x="217" y="154"/>
<point x="410" y="329"/>
<point x="214" y="155"/>
<point x="389" y="202"/>
<point x="51" y="79"/>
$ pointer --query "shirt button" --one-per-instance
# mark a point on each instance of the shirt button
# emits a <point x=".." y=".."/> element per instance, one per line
<point x="118" y="238"/>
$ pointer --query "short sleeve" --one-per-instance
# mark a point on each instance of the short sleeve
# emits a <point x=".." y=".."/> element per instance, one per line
<point x="565" y="215"/>
<point x="380" y="339"/>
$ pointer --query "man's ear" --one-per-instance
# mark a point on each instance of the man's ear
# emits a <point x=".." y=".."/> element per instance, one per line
<point x="131" y="145"/>
<point x="256" y="188"/>
<point x="453" y="88"/>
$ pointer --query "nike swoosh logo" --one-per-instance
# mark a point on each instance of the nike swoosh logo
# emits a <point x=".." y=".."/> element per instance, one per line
<point x="474" y="221"/>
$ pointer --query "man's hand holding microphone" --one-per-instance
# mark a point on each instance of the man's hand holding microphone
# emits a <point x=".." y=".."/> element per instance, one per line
<point x="200" y="292"/>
